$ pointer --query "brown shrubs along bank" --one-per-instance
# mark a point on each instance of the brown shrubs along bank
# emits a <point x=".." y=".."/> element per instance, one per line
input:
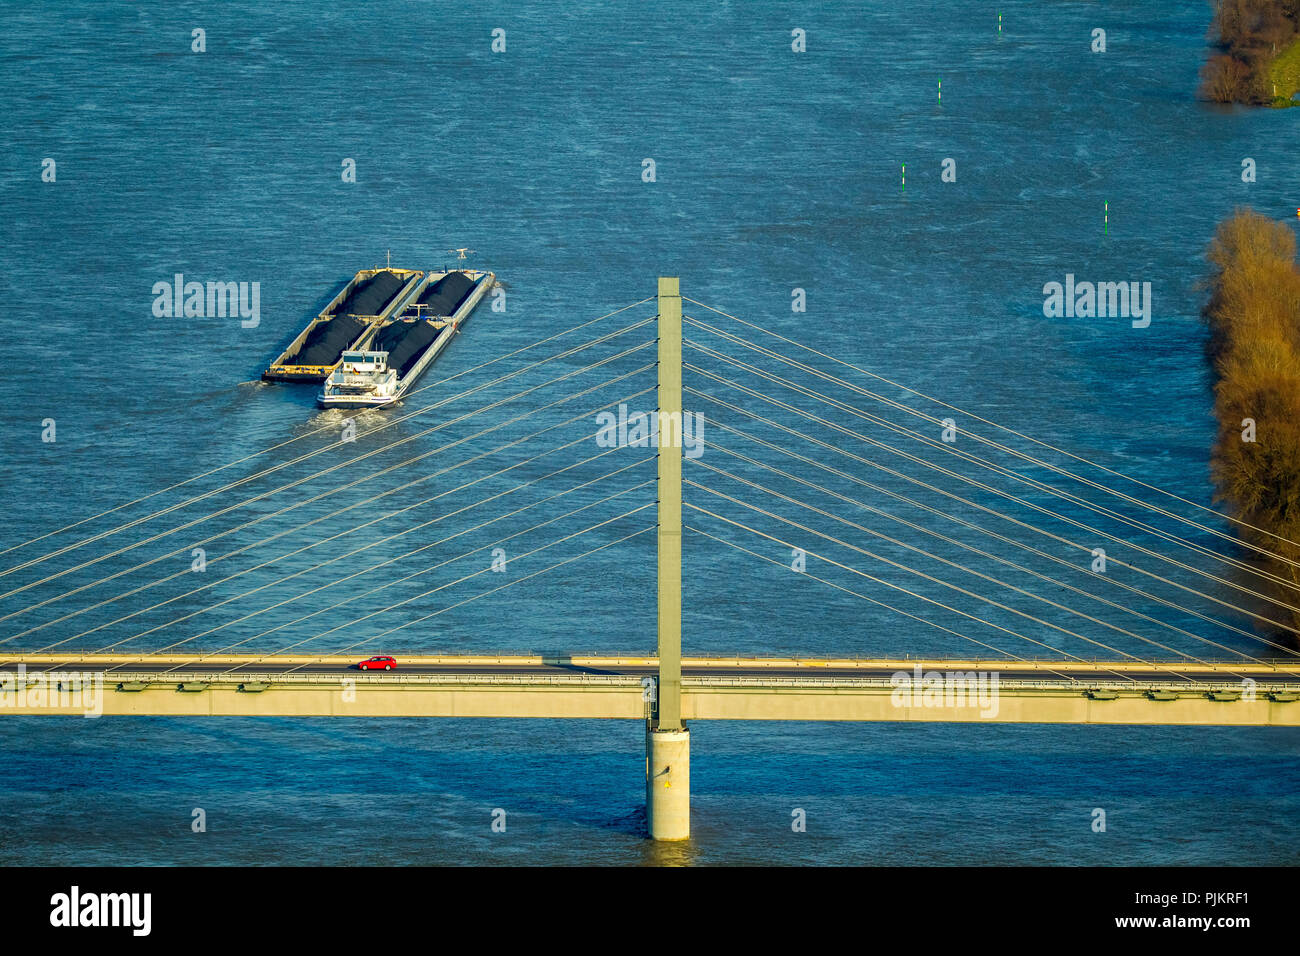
<point x="1254" y="319"/>
<point x="1251" y="34"/>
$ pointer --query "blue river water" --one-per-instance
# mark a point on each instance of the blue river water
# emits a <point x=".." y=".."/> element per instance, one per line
<point x="773" y="171"/>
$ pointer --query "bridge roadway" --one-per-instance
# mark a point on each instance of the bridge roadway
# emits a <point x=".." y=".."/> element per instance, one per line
<point x="1127" y="692"/>
<point x="181" y="666"/>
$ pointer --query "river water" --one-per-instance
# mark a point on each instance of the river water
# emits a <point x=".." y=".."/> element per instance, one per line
<point x="773" y="171"/>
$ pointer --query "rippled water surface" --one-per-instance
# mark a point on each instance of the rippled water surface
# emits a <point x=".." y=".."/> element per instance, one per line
<point x="774" y="171"/>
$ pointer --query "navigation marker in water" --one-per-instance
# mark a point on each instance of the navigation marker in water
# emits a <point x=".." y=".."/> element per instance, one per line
<point x="905" y="184"/>
<point x="941" y="89"/>
<point x="1106" y="221"/>
<point x="999" y="23"/>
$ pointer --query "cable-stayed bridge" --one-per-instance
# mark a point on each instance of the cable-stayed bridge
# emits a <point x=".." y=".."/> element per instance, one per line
<point x="992" y="575"/>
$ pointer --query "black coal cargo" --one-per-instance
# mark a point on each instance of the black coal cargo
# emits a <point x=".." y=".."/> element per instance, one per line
<point x="326" y="341"/>
<point x="405" y="342"/>
<point x="445" y="296"/>
<point x="369" y="296"/>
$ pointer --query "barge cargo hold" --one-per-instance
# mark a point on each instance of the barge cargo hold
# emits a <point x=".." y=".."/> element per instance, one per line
<point x="371" y="296"/>
<point x="392" y="359"/>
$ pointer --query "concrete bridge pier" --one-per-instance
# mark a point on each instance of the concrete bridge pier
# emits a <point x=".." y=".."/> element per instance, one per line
<point x="668" y="742"/>
<point x="668" y="784"/>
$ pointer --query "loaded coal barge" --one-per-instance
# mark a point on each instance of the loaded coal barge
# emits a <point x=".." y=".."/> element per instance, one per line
<point x="384" y="364"/>
<point x="368" y="299"/>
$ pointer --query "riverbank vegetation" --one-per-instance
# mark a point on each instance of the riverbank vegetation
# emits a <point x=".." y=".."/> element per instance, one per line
<point x="1259" y="58"/>
<point x="1253" y="315"/>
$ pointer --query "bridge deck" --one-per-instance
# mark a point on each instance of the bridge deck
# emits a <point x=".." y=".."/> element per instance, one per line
<point x="614" y="688"/>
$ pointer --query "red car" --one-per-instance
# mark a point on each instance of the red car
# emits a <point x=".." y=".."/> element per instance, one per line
<point x="377" y="663"/>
